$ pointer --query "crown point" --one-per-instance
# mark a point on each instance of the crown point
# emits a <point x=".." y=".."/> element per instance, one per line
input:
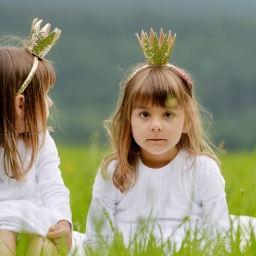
<point x="37" y="25"/>
<point x="46" y="29"/>
<point x="34" y="22"/>
<point x="142" y="37"/>
<point x="140" y="40"/>
<point x="161" y="38"/>
<point x="152" y="36"/>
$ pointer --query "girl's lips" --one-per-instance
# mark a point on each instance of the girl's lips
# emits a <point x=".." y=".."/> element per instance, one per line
<point x="156" y="139"/>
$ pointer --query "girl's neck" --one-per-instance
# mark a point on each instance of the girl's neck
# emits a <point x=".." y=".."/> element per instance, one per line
<point x="157" y="161"/>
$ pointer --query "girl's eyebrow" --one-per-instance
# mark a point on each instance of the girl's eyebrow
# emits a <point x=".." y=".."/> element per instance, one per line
<point x="143" y="106"/>
<point x="140" y="107"/>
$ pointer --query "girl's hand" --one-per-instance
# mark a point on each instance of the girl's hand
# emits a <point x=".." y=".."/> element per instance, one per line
<point x="61" y="235"/>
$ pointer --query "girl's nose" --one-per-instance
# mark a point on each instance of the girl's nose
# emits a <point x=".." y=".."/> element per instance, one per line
<point x="156" y="125"/>
<point x="49" y="102"/>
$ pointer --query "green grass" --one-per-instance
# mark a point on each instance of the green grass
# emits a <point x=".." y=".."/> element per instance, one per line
<point x="80" y="164"/>
<point x="79" y="167"/>
<point x="239" y="171"/>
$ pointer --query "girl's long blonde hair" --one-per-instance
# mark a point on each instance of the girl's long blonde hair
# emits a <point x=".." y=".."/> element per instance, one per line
<point x="15" y="65"/>
<point x="152" y="84"/>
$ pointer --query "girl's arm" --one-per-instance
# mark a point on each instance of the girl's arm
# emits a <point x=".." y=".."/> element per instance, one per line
<point x="216" y="217"/>
<point x="100" y="219"/>
<point x="211" y="188"/>
<point x="54" y="194"/>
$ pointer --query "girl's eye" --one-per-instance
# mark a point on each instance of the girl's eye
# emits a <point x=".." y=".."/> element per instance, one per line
<point x="144" y="114"/>
<point x="168" y="115"/>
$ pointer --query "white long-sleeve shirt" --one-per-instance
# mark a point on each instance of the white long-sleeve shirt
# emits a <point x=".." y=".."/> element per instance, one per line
<point x="187" y="188"/>
<point x="39" y="202"/>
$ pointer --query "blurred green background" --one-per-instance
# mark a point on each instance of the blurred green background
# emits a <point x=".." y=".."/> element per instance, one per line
<point x="215" y="42"/>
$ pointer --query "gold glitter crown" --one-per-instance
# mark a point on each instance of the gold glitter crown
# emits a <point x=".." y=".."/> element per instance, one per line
<point x="157" y="52"/>
<point x="39" y="44"/>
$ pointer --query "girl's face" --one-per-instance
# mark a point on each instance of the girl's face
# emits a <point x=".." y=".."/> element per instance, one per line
<point x="157" y="131"/>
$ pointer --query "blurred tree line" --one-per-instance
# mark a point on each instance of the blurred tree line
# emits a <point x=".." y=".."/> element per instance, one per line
<point x="215" y="43"/>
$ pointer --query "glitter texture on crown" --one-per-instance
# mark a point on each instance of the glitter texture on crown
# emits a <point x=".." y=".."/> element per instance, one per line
<point x="157" y="52"/>
<point x="39" y="44"/>
<point x="40" y="41"/>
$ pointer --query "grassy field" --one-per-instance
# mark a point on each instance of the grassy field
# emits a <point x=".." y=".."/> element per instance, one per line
<point x="79" y="166"/>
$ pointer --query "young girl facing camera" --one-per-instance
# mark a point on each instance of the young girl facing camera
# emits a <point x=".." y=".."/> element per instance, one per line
<point x="163" y="172"/>
<point x="33" y="197"/>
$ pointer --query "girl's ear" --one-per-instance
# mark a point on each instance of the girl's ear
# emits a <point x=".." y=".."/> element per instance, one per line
<point x="19" y="105"/>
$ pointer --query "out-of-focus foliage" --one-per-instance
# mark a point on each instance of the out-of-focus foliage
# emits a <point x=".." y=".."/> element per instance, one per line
<point x="215" y="42"/>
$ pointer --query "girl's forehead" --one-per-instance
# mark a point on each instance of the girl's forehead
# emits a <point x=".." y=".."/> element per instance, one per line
<point x="171" y="103"/>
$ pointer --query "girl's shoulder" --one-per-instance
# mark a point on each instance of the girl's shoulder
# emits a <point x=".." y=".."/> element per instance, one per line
<point x="206" y="161"/>
<point x="209" y="179"/>
<point x="48" y="149"/>
<point x="48" y="142"/>
<point x="198" y="160"/>
<point x="111" y="167"/>
<point x="206" y="169"/>
<point x="201" y="167"/>
<point x="108" y="173"/>
<point x="103" y="184"/>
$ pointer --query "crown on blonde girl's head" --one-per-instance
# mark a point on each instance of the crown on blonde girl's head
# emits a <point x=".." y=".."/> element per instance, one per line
<point x="158" y="52"/>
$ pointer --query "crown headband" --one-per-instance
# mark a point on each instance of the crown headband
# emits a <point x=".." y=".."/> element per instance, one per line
<point x="158" y="52"/>
<point x="39" y="44"/>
